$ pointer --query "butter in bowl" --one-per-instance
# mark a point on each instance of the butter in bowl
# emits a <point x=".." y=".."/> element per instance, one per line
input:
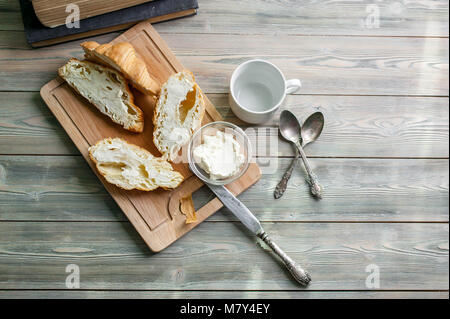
<point x="219" y="153"/>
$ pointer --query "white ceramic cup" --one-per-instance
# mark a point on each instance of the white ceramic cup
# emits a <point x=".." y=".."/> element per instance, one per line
<point x="257" y="89"/>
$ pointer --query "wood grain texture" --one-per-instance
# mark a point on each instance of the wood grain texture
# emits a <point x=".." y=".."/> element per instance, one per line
<point x="62" y="188"/>
<point x="92" y="294"/>
<point x="28" y="126"/>
<point x="356" y="126"/>
<point x="348" y="65"/>
<point x="52" y="13"/>
<point x="223" y="256"/>
<point x="312" y="17"/>
<point x="10" y="17"/>
<point x="323" y="17"/>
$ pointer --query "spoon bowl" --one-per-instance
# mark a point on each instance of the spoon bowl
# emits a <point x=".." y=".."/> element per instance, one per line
<point x="312" y="128"/>
<point x="289" y="126"/>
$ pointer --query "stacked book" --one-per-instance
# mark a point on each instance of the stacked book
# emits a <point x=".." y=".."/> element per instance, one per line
<point x="47" y="26"/>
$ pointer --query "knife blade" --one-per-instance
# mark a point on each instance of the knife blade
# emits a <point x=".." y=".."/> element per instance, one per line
<point x="237" y="208"/>
<point x="252" y="223"/>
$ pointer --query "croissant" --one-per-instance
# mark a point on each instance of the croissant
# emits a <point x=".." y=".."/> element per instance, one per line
<point x="129" y="166"/>
<point x="178" y="113"/>
<point x="123" y="58"/>
<point x="106" y="89"/>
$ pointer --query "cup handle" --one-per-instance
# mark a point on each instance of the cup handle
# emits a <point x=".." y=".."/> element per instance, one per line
<point x="293" y="86"/>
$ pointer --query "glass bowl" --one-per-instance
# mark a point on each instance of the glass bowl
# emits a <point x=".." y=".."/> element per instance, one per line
<point x="211" y="129"/>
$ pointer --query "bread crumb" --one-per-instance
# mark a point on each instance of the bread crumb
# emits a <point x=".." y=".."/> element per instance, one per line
<point x="187" y="208"/>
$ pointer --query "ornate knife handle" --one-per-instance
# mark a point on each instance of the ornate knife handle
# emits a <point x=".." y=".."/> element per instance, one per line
<point x="300" y="275"/>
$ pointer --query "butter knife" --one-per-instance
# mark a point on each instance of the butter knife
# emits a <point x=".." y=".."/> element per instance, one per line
<point x="252" y="223"/>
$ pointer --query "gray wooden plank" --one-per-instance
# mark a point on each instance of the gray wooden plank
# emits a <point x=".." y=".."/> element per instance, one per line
<point x="10" y="17"/>
<point x="76" y="294"/>
<point x="312" y="17"/>
<point x="356" y="126"/>
<point x="27" y="126"/>
<point x="63" y="188"/>
<point x="411" y="256"/>
<point x="327" y="65"/>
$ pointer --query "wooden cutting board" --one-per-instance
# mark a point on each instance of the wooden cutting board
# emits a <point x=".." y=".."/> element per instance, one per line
<point x="155" y="215"/>
<point x="52" y="13"/>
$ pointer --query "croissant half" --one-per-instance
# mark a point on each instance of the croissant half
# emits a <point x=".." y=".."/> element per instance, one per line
<point x="129" y="166"/>
<point x="123" y="58"/>
<point x="106" y="89"/>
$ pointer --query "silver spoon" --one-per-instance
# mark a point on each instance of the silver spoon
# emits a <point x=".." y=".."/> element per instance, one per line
<point x="291" y="130"/>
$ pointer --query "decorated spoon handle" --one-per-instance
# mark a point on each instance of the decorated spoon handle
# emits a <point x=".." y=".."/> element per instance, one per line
<point x="316" y="189"/>
<point x="282" y="185"/>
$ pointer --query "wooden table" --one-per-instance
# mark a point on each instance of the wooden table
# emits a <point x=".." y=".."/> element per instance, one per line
<point x="383" y="159"/>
